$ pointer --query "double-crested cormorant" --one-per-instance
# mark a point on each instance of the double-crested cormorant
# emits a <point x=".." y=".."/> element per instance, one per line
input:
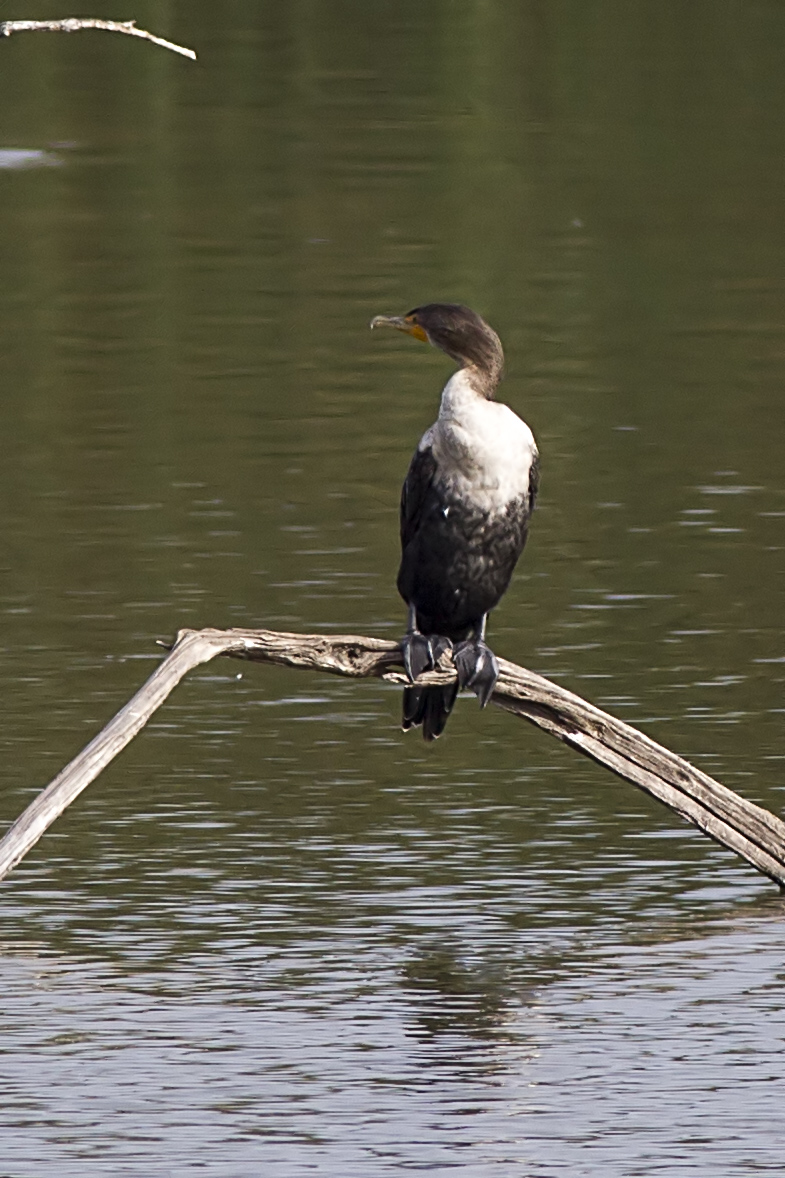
<point x="465" y="509"/>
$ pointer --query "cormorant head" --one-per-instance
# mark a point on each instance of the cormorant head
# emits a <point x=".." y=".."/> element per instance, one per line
<point x="457" y="330"/>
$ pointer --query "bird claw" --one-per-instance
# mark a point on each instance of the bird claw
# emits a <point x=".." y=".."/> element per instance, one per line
<point x="422" y="652"/>
<point x="439" y="646"/>
<point x="417" y="653"/>
<point x="477" y="668"/>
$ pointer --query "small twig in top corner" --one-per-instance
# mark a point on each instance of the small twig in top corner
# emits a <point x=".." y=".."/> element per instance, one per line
<point x="74" y="24"/>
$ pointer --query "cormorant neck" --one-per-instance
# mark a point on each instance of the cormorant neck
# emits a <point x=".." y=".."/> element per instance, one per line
<point x="465" y="392"/>
<point x="482" y="379"/>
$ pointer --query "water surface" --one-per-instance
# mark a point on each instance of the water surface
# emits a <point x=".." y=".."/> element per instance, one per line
<point x="276" y="937"/>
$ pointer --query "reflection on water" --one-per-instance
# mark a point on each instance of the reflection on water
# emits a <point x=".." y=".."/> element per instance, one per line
<point x="276" y="936"/>
<point x="22" y="157"/>
<point x="415" y="1059"/>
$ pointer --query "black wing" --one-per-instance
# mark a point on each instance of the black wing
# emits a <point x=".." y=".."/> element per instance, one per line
<point x="414" y="492"/>
<point x="534" y="481"/>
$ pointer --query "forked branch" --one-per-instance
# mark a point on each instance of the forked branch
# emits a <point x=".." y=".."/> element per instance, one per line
<point x="752" y="832"/>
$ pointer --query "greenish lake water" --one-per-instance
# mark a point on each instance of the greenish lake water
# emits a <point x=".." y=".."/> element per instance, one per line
<point x="277" y="937"/>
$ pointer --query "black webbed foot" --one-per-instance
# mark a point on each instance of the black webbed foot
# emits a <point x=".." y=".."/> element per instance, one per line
<point x="422" y="652"/>
<point x="477" y="668"/>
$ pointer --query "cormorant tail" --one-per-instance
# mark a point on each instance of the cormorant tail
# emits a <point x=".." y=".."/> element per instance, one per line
<point x="429" y="706"/>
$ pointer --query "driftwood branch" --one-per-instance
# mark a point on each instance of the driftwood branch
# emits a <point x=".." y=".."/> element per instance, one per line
<point x="752" y="832"/>
<point x="74" y="24"/>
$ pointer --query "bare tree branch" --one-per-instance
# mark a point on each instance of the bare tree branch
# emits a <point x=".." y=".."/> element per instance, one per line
<point x="752" y="832"/>
<point x="74" y="24"/>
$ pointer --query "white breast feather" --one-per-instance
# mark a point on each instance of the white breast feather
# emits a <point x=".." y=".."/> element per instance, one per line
<point x="484" y="452"/>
